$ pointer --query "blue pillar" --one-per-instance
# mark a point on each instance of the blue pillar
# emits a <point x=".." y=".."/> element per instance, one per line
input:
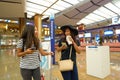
<point x="52" y="36"/>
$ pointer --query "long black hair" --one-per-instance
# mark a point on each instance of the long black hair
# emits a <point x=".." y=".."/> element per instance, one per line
<point x="71" y="34"/>
<point x="29" y="38"/>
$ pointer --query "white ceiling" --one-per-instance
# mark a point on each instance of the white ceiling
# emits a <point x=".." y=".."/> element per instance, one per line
<point x="72" y="12"/>
<point x="79" y="12"/>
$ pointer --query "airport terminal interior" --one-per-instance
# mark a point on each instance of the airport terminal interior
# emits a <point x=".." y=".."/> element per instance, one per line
<point x="98" y="25"/>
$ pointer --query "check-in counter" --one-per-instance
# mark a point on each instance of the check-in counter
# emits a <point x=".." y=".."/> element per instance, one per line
<point x="98" y="61"/>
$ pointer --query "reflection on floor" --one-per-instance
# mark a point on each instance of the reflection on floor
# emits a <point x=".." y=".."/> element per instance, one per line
<point x="9" y="67"/>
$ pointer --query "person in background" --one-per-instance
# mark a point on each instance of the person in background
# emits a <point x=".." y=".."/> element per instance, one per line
<point x="64" y="47"/>
<point x="28" y="49"/>
<point x="119" y="38"/>
<point x="58" y="53"/>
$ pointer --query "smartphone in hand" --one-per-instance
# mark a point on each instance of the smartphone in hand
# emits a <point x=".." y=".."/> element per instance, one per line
<point x="33" y="48"/>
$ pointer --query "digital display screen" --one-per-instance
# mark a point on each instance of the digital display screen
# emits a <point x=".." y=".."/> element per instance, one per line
<point x="97" y="37"/>
<point x="81" y="35"/>
<point x="117" y="31"/>
<point x="87" y="34"/>
<point x="108" y="32"/>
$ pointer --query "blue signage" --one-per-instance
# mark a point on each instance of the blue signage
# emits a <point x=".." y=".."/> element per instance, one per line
<point x="52" y="36"/>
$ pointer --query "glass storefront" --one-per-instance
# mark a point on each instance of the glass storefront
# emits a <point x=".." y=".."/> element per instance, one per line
<point x="7" y="41"/>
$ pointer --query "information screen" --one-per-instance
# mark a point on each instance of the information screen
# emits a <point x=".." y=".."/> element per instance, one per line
<point x="81" y="35"/>
<point x="108" y="32"/>
<point x="117" y="31"/>
<point x="87" y="34"/>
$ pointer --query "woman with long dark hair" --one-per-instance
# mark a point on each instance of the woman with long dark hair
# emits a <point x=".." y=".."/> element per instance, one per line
<point x="28" y="49"/>
<point x="65" y="46"/>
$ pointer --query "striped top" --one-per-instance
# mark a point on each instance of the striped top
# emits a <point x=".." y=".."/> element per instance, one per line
<point x="30" y="61"/>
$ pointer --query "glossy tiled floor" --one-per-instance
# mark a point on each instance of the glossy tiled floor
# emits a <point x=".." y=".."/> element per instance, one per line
<point x="9" y="67"/>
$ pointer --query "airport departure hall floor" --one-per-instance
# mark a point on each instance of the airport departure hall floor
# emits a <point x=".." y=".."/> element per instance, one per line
<point x="9" y="67"/>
